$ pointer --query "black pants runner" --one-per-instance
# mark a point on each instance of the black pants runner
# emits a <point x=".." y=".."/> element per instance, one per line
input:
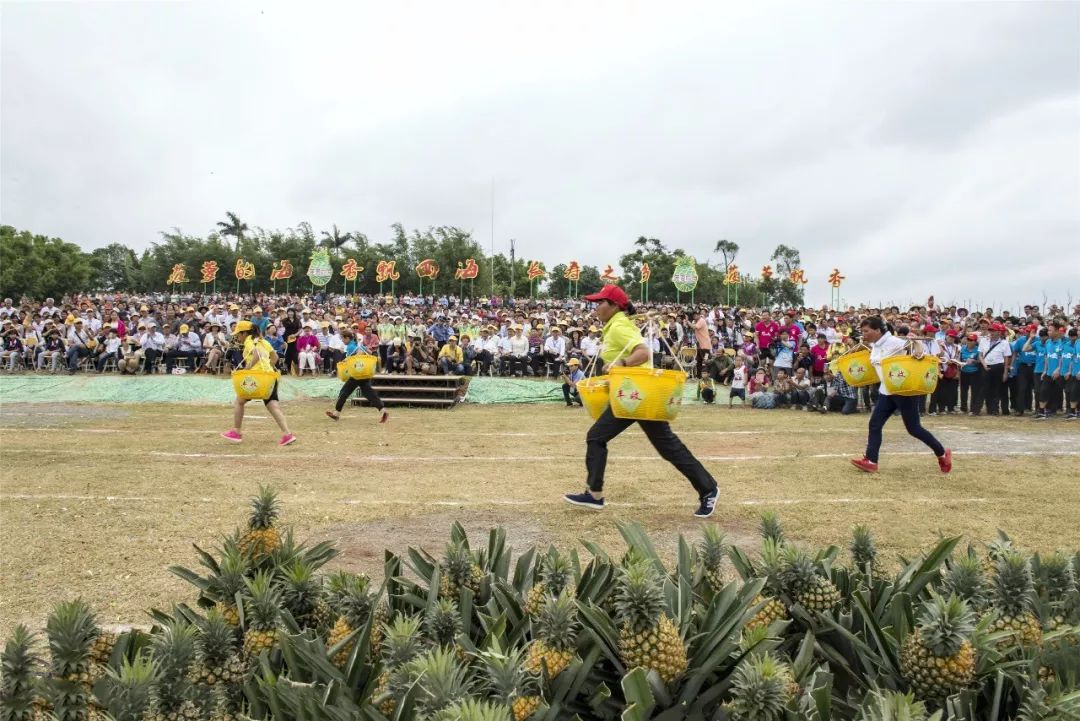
<point x="351" y="385"/>
<point x="659" y="433"/>
<point x="909" y="411"/>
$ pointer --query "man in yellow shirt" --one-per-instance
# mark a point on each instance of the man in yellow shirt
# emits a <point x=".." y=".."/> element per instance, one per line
<point x="451" y="359"/>
<point x="624" y="346"/>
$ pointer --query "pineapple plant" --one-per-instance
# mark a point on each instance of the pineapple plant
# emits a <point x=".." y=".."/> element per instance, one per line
<point x="71" y="630"/>
<point x="229" y="581"/>
<point x="760" y="689"/>
<point x="712" y="549"/>
<point x="1012" y="597"/>
<point x="301" y="591"/>
<point x="458" y="570"/>
<point x="101" y="651"/>
<point x="804" y="585"/>
<point x="473" y="710"/>
<point x="964" y="577"/>
<point x="173" y="652"/>
<point x="648" y="638"/>
<point x="863" y="551"/>
<point x="262" y="607"/>
<point x="1057" y="591"/>
<point x="555" y="632"/>
<point x="126" y="694"/>
<point x="556" y="574"/>
<point x="354" y="606"/>
<point x="508" y="683"/>
<point x="261" y="537"/>
<point x="325" y="611"/>
<point x="439" y="680"/>
<point x="894" y="706"/>
<point x="770" y="528"/>
<point x="773" y="608"/>
<point x="442" y="623"/>
<point x="937" y="658"/>
<point x="20" y="665"/>
<point x="402" y="643"/>
<point x="381" y="616"/>
<point x="217" y="662"/>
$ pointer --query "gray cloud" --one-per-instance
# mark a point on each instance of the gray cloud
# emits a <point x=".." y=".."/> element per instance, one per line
<point x="922" y="147"/>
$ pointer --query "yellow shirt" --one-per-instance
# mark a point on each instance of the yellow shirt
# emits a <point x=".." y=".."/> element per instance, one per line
<point x="621" y="334"/>
<point x="265" y="353"/>
<point x="453" y="353"/>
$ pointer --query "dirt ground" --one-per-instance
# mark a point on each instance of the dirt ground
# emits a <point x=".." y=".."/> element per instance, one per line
<point x="98" y="501"/>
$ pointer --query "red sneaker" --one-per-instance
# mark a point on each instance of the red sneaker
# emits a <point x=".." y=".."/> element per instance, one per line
<point x="865" y="465"/>
<point x="945" y="462"/>
<point x="287" y="439"/>
<point x="232" y="436"/>
<point x="384" y="417"/>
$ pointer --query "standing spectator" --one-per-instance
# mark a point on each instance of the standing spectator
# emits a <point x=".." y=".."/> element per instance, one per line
<point x="766" y="332"/>
<point x="1025" y="356"/>
<point x="943" y="399"/>
<point x="703" y="342"/>
<point x="996" y="359"/>
<point x="738" y="382"/>
<point x="971" y="376"/>
<point x="291" y="328"/>
<point x="1072" y="383"/>
<point x="1052" y="384"/>
<point x="820" y="353"/>
<point x="784" y="354"/>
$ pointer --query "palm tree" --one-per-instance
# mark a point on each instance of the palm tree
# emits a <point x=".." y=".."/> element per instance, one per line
<point x="335" y="240"/>
<point x="234" y="227"/>
<point x="729" y="250"/>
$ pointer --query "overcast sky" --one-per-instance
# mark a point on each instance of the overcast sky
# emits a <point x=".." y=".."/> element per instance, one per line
<point x="921" y="147"/>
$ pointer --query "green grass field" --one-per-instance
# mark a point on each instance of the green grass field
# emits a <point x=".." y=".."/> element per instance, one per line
<point x="98" y="501"/>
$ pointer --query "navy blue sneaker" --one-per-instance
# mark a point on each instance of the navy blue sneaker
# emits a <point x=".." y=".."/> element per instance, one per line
<point x="585" y="500"/>
<point x="708" y="505"/>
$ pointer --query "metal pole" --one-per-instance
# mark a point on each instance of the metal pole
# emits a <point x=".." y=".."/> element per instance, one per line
<point x="493" y="237"/>
<point x="512" y="267"/>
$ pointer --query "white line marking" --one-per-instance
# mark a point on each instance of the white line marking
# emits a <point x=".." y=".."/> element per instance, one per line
<point x="474" y="503"/>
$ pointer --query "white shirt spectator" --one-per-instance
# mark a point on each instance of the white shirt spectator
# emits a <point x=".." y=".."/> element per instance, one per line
<point x="738" y="377"/>
<point x="488" y="344"/>
<point x="152" y="340"/>
<point x="556" y="345"/>
<point x="997" y="351"/>
<point x="519" y="346"/>
<point x="590" y="346"/>
<point x="112" y="345"/>
<point x="77" y="336"/>
<point x="506" y="346"/>
<point x="334" y="342"/>
<point x="189" y="342"/>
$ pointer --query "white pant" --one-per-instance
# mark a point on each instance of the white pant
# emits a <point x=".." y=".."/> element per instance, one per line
<point x="307" y="360"/>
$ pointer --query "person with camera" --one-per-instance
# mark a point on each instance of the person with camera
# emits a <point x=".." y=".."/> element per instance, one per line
<point x="623" y="345"/>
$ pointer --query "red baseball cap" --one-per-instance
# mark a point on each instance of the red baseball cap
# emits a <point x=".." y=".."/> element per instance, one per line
<point x="612" y="293"/>
<point x="999" y="327"/>
<point x="952" y="333"/>
<point x="972" y="336"/>
<point x="929" y="328"/>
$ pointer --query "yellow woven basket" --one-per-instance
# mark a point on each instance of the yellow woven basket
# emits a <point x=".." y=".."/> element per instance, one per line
<point x="905" y="376"/>
<point x="855" y="367"/>
<point x="358" y="367"/>
<point x="646" y="394"/>
<point x="594" y="395"/>
<point x="254" y="385"/>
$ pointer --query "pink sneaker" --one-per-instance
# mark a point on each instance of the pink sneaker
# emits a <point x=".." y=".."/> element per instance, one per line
<point x="287" y="439"/>
<point x="232" y="436"/>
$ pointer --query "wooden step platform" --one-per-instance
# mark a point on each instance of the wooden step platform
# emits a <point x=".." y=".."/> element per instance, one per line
<point x="420" y="391"/>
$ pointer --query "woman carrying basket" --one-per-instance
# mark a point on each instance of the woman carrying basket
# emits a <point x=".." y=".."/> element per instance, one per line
<point x="624" y="346"/>
<point x="352" y="347"/>
<point x="258" y="355"/>
<point x="884" y="344"/>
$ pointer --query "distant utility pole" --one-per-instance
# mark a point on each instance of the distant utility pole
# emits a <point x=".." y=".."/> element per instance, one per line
<point x="511" y="267"/>
<point x="493" y="237"/>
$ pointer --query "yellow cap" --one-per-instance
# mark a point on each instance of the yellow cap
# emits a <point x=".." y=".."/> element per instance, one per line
<point x="184" y="328"/>
<point x="243" y="325"/>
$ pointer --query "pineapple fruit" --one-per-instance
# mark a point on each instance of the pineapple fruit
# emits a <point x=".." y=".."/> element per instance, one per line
<point x="770" y="529"/>
<point x="71" y="630"/>
<point x="402" y="643"/>
<point x="508" y="683"/>
<point x="229" y="581"/>
<point x="217" y="661"/>
<point x="712" y="550"/>
<point x="261" y="537"/>
<point x="439" y="681"/>
<point x="804" y="585"/>
<point x="761" y="689"/>
<point x="262" y="606"/>
<point x="1012" y="598"/>
<point x="648" y="638"/>
<point x="20" y="664"/>
<point x="773" y="609"/>
<point x="443" y="623"/>
<point x="964" y="578"/>
<point x="937" y="658"/>
<point x="173" y="652"/>
<point x="301" y="590"/>
<point x="354" y="606"/>
<point x="554" y="637"/>
<point x="894" y="706"/>
<point x="472" y="710"/>
<point x="127" y="693"/>
<point x="1058" y="595"/>
<point x="556" y="574"/>
<point x="458" y="570"/>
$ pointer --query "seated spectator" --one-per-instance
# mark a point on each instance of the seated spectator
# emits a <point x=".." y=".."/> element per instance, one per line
<point x="12" y="349"/>
<point x="835" y="395"/>
<point x="820" y="353"/>
<point x="307" y="349"/>
<point x="215" y="345"/>
<point x="52" y="350"/>
<point x="78" y="345"/>
<point x="801" y="386"/>
<point x="396" y="357"/>
<point x="422" y="356"/>
<point x="451" y="358"/>
<point x="334" y="350"/>
<point x="273" y="337"/>
<point x="569" y="380"/>
<point x="760" y="390"/>
<point x="484" y="351"/>
<point x="130" y="353"/>
<point x="153" y="344"/>
<point x="536" y="350"/>
<point x="720" y="368"/>
<point x="110" y="350"/>
<point x="187" y="346"/>
<point x="555" y="349"/>
<point x="706" y="391"/>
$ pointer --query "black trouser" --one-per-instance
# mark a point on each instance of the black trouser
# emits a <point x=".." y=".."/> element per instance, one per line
<point x="172" y="355"/>
<point x="570" y="394"/>
<point x="870" y="395"/>
<point x="350" y="385"/>
<point x="944" y="397"/>
<point x="150" y="358"/>
<point x="997" y="390"/>
<point x="1025" y="388"/>
<point x="909" y="411"/>
<point x="1072" y="391"/>
<point x="483" y="359"/>
<point x="659" y="433"/>
<point x="1051" y="390"/>
<point x="330" y="358"/>
<point x="700" y="360"/>
<point x="971" y="389"/>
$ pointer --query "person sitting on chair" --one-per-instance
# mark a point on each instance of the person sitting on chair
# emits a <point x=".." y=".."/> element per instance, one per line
<point x="569" y="382"/>
<point x="451" y="358"/>
<point x="396" y="357"/>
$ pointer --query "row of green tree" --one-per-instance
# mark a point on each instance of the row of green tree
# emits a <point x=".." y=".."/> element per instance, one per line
<point x="37" y="266"/>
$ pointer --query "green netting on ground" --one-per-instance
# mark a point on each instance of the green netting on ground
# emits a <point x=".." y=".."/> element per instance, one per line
<point x="202" y="389"/>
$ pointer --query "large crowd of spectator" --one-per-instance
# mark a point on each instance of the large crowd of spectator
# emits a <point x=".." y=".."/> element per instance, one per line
<point x="992" y="362"/>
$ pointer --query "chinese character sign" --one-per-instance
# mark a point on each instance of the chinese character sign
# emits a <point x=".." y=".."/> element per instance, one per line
<point x="573" y="272"/>
<point x="732" y="276"/>
<point x="467" y="271"/>
<point x="608" y="276"/>
<point x="244" y="270"/>
<point x="534" y="271"/>
<point x="428" y="268"/>
<point x="835" y="279"/>
<point x="282" y="270"/>
<point x="798" y="276"/>
<point x="178" y="274"/>
<point x="209" y="271"/>
<point x="766" y="272"/>
<point x="350" y="270"/>
<point x="384" y="271"/>
<point x="646" y="272"/>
